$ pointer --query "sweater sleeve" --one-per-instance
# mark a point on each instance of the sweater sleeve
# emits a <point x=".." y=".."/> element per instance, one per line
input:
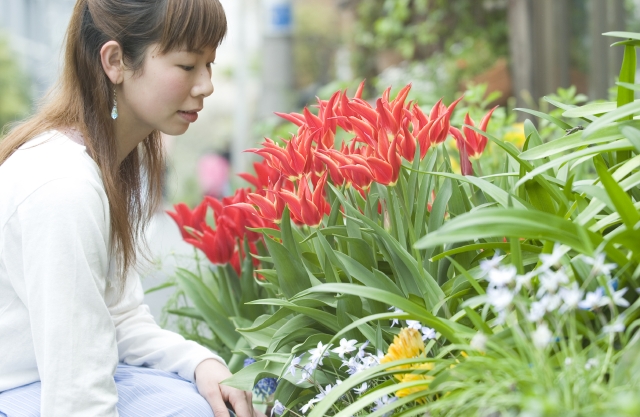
<point x="141" y="342"/>
<point x="59" y="238"/>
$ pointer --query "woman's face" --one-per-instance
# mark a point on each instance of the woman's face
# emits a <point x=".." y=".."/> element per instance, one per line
<point x="168" y="92"/>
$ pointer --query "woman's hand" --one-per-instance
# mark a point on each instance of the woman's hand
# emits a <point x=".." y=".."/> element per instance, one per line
<point x="209" y="374"/>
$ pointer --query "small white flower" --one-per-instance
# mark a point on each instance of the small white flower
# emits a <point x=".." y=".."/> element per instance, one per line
<point x="479" y="341"/>
<point x="361" y="350"/>
<point x="537" y="312"/>
<point x="397" y="311"/>
<point x="541" y="336"/>
<point x="499" y="298"/>
<point x="571" y="297"/>
<point x="487" y="265"/>
<point x="594" y="299"/>
<point x="414" y="324"/>
<point x="553" y="258"/>
<point x="308" y="405"/>
<point x="346" y="346"/>
<point x="598" y="265"/>
<point x="503" y="275"/>
<point x="591" y="363"/>
<point x="382" y="401"/>
<point x="318" y="353"/>
<point x="551" y="302"/>
<point x="428" y="333"/>
<point x="616" y="327"/>
<point x="294" y="363"/>
<point x="568" y="361"/>
<point x="278" y="408"/>
<point x="369" y="361"/>
<point x="551" y="280"/>
<point x="361" y="389"/>
<point x="323" y="392"/>
<point x="618" y="297"/>
<point x="307" y="371"/>
<point x="354" y="365"/>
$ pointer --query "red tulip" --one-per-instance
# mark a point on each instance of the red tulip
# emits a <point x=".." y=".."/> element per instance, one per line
<point x="407" y="142"/>
<point x="295" y="118"/>
<point x="475" y="141"/>
<point x="270" y="206"/>
<point x="364" y="109"/>
<point x="465" y="164"/>
<point x="385" y="117"/>
<point x="218" y="245"/>
<point x="397" y="105"/>
<point x="360" y="176"/>
<point x="227" y="214"/>
<point x="307" y="207"/>
<point x="293" y="160"/>
<point x="269" y="203"/>
<point x="434" y="129"/>
<point x="332" y="166"/>
<point x="187" y="218"/>
<point x="440" y="129"/>
<point x="265" y="175"/>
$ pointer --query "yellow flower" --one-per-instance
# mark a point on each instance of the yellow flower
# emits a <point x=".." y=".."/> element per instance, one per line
<point x="455" y="165"/>
<point x="416" y="377"/>
<point x="515" y="135"/>
<point x="407" y="345"/>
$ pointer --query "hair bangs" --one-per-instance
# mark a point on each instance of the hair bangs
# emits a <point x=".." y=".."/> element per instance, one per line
<point x="193" y="25"/>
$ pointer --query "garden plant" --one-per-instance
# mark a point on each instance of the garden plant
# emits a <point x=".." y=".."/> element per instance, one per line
<point x="361" y="274"/>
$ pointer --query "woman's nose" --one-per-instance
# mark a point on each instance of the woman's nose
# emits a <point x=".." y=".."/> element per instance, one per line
<point x="204" y="86"/>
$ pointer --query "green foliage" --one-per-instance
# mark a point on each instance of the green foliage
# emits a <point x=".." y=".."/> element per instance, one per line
<point x="14" y="96"/>
<point x="415" y="27"/>
<point x="217" y="300"/>
<point x="449" y="41"/>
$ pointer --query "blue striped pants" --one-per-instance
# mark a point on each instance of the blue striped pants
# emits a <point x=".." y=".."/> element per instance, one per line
<point x="141" y="392"/>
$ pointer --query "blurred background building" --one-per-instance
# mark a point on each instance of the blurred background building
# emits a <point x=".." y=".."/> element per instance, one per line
<point x="280" y="55"/>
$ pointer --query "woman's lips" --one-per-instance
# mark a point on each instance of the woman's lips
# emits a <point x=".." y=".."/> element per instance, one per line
<point x="188" y="116"/>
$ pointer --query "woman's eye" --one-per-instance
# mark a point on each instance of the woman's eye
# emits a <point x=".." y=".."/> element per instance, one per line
<point x="187" y="67"/>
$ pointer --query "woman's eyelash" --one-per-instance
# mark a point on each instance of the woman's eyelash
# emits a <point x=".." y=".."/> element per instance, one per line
<point x="190" y="67"/>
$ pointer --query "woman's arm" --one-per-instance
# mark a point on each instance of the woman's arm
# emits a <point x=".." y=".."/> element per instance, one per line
<point x="55" y="250"/>
<point x="142" y="342"/>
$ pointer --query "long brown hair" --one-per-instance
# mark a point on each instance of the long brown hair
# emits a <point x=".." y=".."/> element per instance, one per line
<point x="82" y="99"/>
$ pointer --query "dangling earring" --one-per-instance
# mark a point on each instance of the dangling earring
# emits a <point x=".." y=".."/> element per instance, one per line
<point x="114" y="110"/>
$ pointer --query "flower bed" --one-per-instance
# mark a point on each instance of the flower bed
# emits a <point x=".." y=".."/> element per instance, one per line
<point x="368" y="278"/>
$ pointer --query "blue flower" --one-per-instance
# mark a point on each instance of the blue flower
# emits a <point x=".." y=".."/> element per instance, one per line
<point x="265" y="387"/>
<point x="249" y="361"/>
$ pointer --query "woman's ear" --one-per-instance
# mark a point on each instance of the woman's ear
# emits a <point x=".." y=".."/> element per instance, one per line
<point x="112" y="64"/>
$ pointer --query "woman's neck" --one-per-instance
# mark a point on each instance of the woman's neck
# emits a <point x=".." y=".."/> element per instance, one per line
<point x="73" y="134"/>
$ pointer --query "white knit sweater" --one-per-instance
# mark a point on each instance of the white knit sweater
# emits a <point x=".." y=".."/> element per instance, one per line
<point x="62" y="320"/>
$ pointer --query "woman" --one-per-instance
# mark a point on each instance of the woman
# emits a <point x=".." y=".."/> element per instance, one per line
<point x="72" y="209"/>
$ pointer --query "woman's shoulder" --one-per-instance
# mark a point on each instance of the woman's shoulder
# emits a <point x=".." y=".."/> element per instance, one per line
<point x="47" y="155"/>
<point x="51" y="158"/>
